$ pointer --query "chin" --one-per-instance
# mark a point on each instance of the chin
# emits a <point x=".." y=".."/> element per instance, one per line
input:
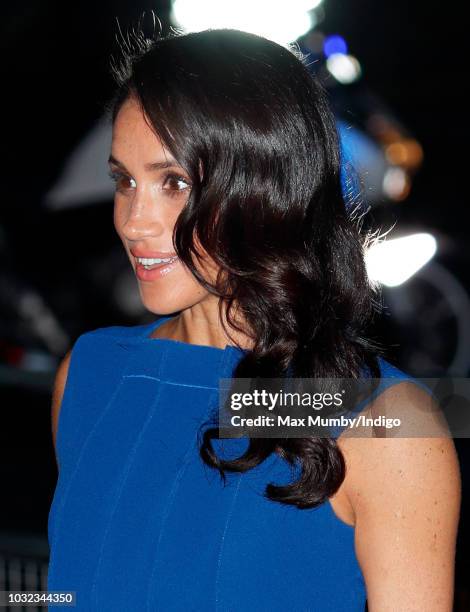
<point x="163" y="303"/>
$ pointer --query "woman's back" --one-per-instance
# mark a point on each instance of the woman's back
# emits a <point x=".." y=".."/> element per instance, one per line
<point x="138" y="522"/>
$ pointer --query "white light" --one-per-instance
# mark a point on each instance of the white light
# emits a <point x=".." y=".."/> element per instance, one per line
<point x="395" y="182"/>
<point x="345" y="68"/>
<point x="392" y="262"/>
<point x="262" y="17"/>
<point x="307" y="5"/>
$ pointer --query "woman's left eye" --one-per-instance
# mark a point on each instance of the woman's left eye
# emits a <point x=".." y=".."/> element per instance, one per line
<point x="177" y="183"/>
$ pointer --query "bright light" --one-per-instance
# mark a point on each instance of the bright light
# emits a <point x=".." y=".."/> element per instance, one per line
<point x="405" y="152"/>
<point x="262" y="17"/>
<point x="334" y="44"/>
<point x="396" y="183"/>
<point x="345" y="68"/>
<point x="392" y="262"/>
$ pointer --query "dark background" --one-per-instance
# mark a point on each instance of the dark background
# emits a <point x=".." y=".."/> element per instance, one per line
<point x="56" y="80"/>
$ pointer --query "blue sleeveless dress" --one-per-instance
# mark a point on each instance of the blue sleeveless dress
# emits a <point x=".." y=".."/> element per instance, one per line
<point x="139" y="522"/>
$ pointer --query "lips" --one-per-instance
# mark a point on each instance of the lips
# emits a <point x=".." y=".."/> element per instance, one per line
<point x="152" y="254"/>
<point x="148" y="266"/>
<point x="155" y="272"/>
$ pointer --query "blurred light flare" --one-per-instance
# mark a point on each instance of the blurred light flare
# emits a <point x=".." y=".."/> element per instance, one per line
<point x="334" y="44"/>
<point x="394" y="261"/>
<point x="396" y="183"/>
<point x="262" y="17"/>
<point x="345" y="68"/>
<point x="406" y="152"/>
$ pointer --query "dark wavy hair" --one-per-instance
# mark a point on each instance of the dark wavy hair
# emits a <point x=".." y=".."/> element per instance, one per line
<point x="269" y="209"/>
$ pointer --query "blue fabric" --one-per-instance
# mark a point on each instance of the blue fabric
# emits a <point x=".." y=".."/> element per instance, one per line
<point x="138" y="522"/>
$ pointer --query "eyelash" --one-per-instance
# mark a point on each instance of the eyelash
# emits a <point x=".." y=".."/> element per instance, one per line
<point x="116" y="176"/>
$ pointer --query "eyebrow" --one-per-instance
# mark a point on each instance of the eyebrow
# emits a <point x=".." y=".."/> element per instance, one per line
<point x="151" y="166"/>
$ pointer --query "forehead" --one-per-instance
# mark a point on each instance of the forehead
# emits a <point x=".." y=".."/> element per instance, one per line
<point x="131" y="129"/>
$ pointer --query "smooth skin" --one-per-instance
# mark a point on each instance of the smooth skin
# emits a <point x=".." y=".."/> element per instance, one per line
<point x="146" y="206"/>
<point x="402" y="494"/>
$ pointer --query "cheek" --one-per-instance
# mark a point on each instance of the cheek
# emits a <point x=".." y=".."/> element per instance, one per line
<point x="207" y="267"/>
<point x="170" y="217"/>
<point x="118" y="218"/>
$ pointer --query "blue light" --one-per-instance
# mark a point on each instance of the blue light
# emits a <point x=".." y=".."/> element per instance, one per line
<point x="334" y="44"/>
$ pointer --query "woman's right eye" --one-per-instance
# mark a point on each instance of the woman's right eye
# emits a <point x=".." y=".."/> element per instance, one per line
<point x="117" y="177"/>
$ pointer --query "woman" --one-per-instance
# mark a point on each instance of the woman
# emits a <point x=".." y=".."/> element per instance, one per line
<point x="229" y="206"/>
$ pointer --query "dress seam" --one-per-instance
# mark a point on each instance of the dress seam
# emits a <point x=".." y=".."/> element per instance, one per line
<point x="93" y="594"/>
<point x="169" y="503"/>
<point x="168" y="382"/>
<point x="222" y="543"/>
<point x="58" y="515"/>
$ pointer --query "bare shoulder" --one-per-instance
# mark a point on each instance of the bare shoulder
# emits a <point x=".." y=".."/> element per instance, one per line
<point x="58" y="392"/>
<point x="404" y="489"/>
<point x="404" y="424"/>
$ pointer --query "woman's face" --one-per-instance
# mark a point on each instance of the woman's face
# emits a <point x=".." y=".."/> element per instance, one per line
<point x="151" y="191"/>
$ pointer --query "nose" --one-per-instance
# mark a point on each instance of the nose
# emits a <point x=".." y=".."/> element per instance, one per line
<point x="142" y="219"/>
